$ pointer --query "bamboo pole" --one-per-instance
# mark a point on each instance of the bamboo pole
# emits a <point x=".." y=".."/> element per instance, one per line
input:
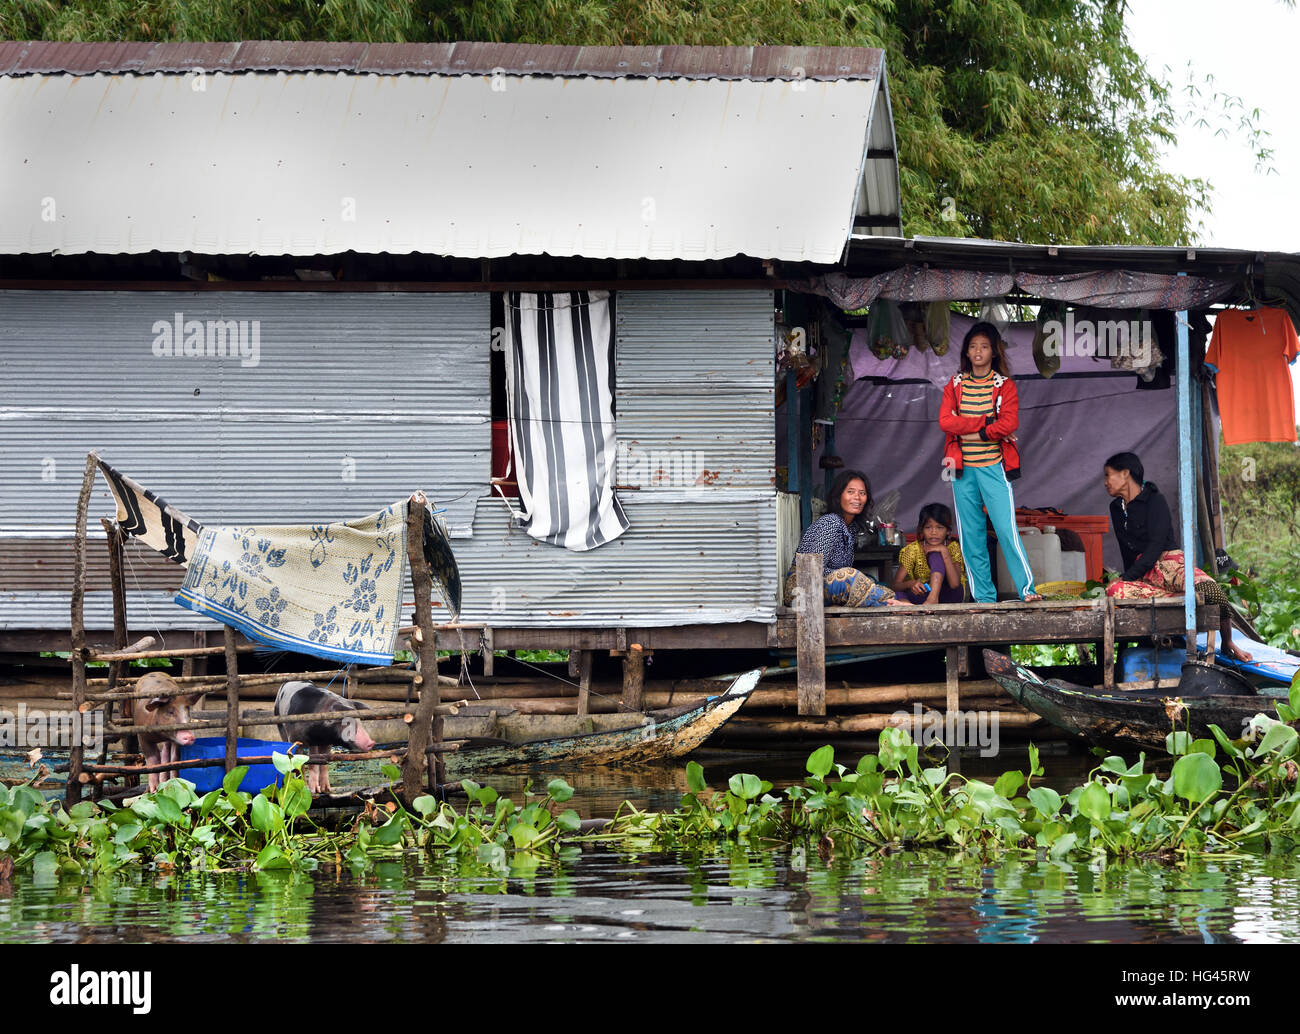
<point x="232" y="697"/>
<point x="78" y="618"/>
<point x="143" y="654"/>
<point x="113" y="537"/>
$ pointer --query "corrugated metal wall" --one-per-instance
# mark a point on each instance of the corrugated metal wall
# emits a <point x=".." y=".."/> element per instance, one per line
<point x="694" y="396"/>
<point x="399" y="384"/>
<point x="349" y="402"/>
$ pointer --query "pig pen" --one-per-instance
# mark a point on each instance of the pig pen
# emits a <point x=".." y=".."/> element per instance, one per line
<point x="421" y="718"/>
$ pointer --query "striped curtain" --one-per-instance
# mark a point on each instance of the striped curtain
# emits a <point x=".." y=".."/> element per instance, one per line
<point x="559" y="387"/>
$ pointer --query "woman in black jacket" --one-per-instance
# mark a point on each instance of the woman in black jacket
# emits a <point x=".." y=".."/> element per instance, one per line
<point x="1153" y="563"/>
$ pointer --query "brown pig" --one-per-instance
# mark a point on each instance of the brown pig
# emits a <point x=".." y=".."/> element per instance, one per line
<point x="162" y="747"/>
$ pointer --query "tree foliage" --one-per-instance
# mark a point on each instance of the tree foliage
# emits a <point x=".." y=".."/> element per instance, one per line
<point x="1028" y="120"/>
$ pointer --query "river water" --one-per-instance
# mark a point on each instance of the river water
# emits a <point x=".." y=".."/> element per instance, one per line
<point x="605" y="895"/>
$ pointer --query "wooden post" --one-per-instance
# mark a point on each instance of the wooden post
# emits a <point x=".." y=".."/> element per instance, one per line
<point x="73" y="792"/>
<point x="232" y="698"/>
<point x="585" y="658"/>
<point x="489" y="654"/>
<point x="633" y="678"/>
<point x="115" y="668"/>
<point x="811" y="633"/>
<point x="953" y="698"/>
<point x="427" y="725"/>
<point x="1108" y="648"/>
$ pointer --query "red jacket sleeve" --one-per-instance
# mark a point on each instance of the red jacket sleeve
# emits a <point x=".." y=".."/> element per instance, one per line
<point x="1008" y="418"/>
<point x="948" y="418"/>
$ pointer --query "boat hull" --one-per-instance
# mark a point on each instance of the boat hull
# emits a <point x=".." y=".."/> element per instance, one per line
<point x="657" y="737"/>
<point x="1142" y="719"/>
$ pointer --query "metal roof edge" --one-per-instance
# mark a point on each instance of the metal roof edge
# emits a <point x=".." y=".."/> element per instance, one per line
<point x="763" y="63"/>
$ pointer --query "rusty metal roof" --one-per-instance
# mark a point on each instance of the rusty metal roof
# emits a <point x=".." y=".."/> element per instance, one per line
<point x="758" y="63"/>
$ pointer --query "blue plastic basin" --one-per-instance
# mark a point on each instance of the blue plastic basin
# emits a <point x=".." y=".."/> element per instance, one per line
<point x="209" y="777"/>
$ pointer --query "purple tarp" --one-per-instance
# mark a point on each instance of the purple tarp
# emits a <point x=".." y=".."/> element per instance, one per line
<point x="1068" y="427"/>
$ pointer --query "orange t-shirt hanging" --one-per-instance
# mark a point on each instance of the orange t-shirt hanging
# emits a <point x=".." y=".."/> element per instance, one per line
<point x="1251" y="349"/>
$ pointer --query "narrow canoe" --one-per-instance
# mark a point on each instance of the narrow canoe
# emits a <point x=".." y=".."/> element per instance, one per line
<point x="1141" y="718"/>
<point x="652" y="736"/>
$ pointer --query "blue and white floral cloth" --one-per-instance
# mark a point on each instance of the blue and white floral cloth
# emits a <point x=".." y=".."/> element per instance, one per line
<point x="329" y="590"/>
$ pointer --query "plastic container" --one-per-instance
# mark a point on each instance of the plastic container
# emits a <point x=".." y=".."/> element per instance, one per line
<point x="1091" y="528"/>
<point x="1140" y="663"/>
<point x="209" y="777"/>
<point x="1044" y="554"/>
<point x="1074" y="566"/>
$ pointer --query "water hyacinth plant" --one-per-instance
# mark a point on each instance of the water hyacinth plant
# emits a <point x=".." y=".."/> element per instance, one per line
<point x="1221" y="796"/>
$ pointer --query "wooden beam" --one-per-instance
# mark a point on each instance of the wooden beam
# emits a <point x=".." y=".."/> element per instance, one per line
<point x="426" y="730"/>
<point x="78" y="623"/>
<point x="585" y="658"/>
<point x="232" y="698"/>
<point x="952" y="699"/>
<point x="811" y="634"/>
<point x="1108" y="646"/>
<point x="634" y="677"/>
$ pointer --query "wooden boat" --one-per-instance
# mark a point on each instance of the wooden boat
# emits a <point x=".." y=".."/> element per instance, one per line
<point x="497" y="739"/>
<point x="1142" y="718"/>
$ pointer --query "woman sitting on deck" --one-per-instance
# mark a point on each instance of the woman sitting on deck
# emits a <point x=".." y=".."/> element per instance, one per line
<point x="1153" y="564"/>
<point x="931" y="569"/>
<point x="829" y="535"/>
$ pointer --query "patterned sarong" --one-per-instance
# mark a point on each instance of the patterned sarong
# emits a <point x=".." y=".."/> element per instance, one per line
<point x="846" y="587"/>
<point x="1166" y="579"/>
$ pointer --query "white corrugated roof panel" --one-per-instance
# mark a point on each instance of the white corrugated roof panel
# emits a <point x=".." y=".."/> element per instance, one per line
<point x="464" y="166"/>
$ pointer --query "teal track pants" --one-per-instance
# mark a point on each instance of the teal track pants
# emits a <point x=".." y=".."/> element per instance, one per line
<point x="987" y="488"/>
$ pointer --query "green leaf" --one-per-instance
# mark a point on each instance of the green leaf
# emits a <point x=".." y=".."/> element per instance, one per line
<point x="271" y="857"/>
<point x="1094" y="801"/>
<point x="233" y="778"/>
<point x="1046" y="800"/>
<point x="1008" y="783"/>
<point x="1280" y="738"/>
<point x="295" y="798"/>
<point x="568" y="821"/>
<point x="169" y="811"/>
<point x="1177" y="742"/>
<point x="425" y="805"/>
<point x="1063" y="845"/>
<point x="522" y="834"/>
<point x="390" y="832"/>
<point x="746" y="786"/>
<point x="559" y="790"/>
<point x="280" y="761"/>
<point x="1202" y="747"/>
<point x="1196" y="776"/>
<point x="45" y="865"/>
<point x="695" y="777"/>
<point x="1224" y="742"/>
<point x="486" y="796"/>
<point x="821" y="761"/>
<point x="265" y="817"/>
<point x="390" y="771"/>
<point x="1293" y="696"/>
